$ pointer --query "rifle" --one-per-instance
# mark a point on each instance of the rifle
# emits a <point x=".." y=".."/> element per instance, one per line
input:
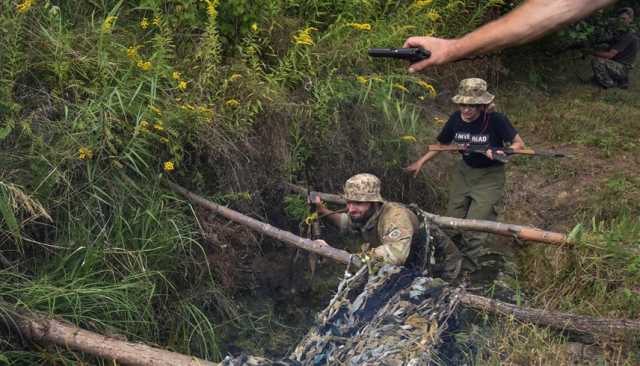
<point x="481" y="149"/>
<point x="410" y="54"/>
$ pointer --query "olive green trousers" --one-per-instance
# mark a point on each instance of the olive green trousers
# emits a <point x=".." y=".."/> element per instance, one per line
<point x="477" y="193"/>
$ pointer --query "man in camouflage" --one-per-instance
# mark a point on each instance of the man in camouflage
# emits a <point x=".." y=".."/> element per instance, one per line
<point x="391" y="230"/>
<point x="611" y="68"/>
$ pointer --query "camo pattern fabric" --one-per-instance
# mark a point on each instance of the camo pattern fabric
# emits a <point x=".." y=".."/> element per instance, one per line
<point x="609" y="73"/>
<point x="363" y="188"/>
<point x="472" y="91"/>
<point x="391" y="229"/>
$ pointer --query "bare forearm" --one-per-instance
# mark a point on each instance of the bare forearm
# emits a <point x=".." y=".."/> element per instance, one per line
<point x="428" y="156"/>
<point x="528" y="22"/>
<point x="332" y="216"/>
<point x="517" y="143"/>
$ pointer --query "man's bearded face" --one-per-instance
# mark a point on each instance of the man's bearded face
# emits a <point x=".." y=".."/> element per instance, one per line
<point x="360" y="212"/>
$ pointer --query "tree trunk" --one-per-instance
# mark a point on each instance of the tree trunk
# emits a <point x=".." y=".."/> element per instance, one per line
<point x="557" y="320"/>
<point x="127" y="353"/>
<point x="518" y="231"/>
<point x="316" y="246"/>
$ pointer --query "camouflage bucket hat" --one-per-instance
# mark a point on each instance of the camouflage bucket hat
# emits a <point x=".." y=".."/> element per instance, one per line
<point x="363" y="188"/>
<point x="473" y="91"/>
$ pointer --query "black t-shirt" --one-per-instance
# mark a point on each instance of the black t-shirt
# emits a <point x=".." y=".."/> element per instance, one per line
<point x="627" y="47"/>
<point x="494" y="131"/>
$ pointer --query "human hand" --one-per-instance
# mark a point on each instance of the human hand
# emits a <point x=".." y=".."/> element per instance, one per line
<point x="414" y="168"/>
<point x="499" y="154"/>
<point x="442" y="51"/>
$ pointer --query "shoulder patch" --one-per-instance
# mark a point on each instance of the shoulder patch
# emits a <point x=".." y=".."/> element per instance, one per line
<point x="394" y="234"/>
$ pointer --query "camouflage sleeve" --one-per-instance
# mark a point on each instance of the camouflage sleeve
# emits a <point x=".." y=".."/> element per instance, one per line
<point x="396" y="231"/>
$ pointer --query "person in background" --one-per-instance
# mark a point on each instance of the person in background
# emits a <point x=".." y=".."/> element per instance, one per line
<point x="477" y="182"/>
<point x="611" y="68"/>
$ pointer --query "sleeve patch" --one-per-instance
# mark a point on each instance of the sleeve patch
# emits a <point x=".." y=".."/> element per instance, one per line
<point x="394" y="234"/>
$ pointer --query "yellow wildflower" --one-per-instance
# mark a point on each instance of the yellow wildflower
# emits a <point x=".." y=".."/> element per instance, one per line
<point x="400" y="87"/>
<point x="304" y="36"/>
<point x="232" y="103"/>
<point x="375" y="78"/>
<point x="439" y="120"/>
<point x="428" y="87"/>
<point x="254" y="27"/>
<point x="360" y="26"/>
<point x="132" y="52"/>
<point x="84" y="153"/>
<point x="155" y="110"/>
<point x="158" y="126"/>
<point x="164" y="140"/>
<point x="202" y="109"/>
<point x="108" y="23"/>
<point x="421" y="4"/>
<point x="176" y="75"/>
<point x="24" y="6"/>
<point x="362" y="80"/>
<point x="211" y="8"/>
<point x="156" y="20"/>
<point x="182" y="85"/>
<point x="433" y="16"/>
<point x="144" y="23"/>
<point x="144" y="125"/>
<point x="168" y="166"/>
<point x="144" y="65"/>
<point x="408" y="138"/>
<point x="234" y="77"/>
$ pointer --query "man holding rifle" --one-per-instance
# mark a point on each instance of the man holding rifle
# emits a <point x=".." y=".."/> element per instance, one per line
<point x="477" y="182"/>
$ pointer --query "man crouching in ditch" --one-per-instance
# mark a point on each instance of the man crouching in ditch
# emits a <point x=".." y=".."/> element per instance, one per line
<point x="391" y="230"/>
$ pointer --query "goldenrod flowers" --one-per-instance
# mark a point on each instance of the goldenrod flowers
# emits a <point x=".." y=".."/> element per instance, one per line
<point x="85" y="153"/>
<point x="211" y="8"/>
<point x="232" y="103"/>
<point x="303" y="37"/>
<point x="428" y="87"/>
<point x="168" y="166"/>
<point x="144" y="65"/>
<point x="108" y="23"/>
<point x="408" y="138"/>
<point x="24" y="6"/>
<point x="360" y="26"/>
<point x="421" y="4"/>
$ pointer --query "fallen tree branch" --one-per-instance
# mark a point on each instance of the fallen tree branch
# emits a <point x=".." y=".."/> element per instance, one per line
<point x="40" y="329"/>
<point x="557" y="320"/>
<point x="518" y="231"/>
<point x="315" y="246"/>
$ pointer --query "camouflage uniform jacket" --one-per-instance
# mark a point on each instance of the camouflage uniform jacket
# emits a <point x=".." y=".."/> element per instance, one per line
<point x="392" y="227"/>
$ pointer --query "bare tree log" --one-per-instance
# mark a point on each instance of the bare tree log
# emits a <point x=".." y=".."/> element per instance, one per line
<point x="557" y="320"/>
<point x="44" y="330"/>
<point x="518" y="231"/>
<point x="315" y="246"/>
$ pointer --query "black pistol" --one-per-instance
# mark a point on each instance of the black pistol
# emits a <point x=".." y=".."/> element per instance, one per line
<point x="410" y="54"/>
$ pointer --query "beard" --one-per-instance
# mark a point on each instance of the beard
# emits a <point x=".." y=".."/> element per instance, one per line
<point x="367" y="215"/>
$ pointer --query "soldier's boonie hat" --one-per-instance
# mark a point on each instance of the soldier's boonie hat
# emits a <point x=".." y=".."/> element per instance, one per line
<point x="363" y="188"/>
<point x="473" y="91"/>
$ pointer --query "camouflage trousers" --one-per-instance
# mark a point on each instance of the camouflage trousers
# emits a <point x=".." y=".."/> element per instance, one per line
<point x="477" y="193"/>
<point x="609" y="73"/>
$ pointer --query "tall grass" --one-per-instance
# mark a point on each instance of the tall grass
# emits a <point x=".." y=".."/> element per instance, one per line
<point x="102" y="101"/>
